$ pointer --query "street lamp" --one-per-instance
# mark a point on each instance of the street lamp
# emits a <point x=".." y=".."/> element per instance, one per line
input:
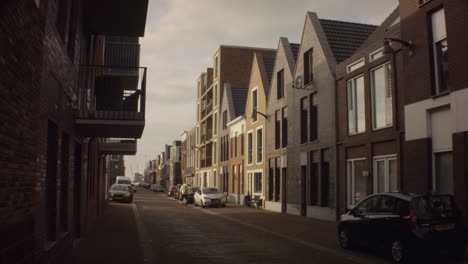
<point x="387" y="49"/>
<point x="255" y="112"/>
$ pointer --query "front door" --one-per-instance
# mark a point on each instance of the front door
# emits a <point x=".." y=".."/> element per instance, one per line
<point x="284" y="187"/>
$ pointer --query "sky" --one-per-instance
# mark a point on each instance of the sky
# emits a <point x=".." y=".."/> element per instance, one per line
<point x="182" y="35"/>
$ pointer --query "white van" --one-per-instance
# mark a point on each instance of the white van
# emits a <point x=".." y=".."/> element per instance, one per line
<point x="125" y="180"/>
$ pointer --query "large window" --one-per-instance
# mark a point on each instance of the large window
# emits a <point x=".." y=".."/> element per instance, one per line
<point x="303" y="124"/>
<point x="440" y="52"/>
<point x="257" y="182"/>
<point x="215" y="123"/>
<point x="225" y="119"/>
<point x="443" y="172"/>
<point x="308" y="69"/>
<point x="215" y="95"/>
<point x="356" y="106"/>
<point x="259" y="146"/>
<point x="280" y="84"/>
<point x="385" y="174"/>
<point x="215" y="160"/>
<point x="254" y="105"/>
<point x="313" y="118"/>
<point x="285" y="127"/>
<point x="277" y="129"/>
<point x="356" y="181"/>
<point x="249" y="148"/>
<point x="381" y="90"/>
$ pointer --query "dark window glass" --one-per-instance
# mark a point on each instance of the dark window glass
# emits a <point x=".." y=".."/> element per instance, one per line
<point x="285" y="128"/>
<point x="434" y="207"/>
<point x="280" y="84"/>
<point x="270" y="179"/>
<point x="325" y="184"/>
<point x="303" y="120"/>
<point x="313" y="119"/>
<point x="368" y="206"/>
<point x="249" y="149"/>
<point x="314" y="184"/>
<point x="277" y="129"/>
<point x="442" y="65"/>
<point x="308" y="72"/>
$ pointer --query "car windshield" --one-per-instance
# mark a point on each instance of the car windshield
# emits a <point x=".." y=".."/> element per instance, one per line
<point x="210" y="190"/>
<point x="124" y="182"/>
<point x="434" y="207"/>
<point x="119" y="188"/>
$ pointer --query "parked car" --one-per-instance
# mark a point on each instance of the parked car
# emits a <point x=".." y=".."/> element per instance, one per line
<point x="405" y="224"/>
<point x="121" y="192"/>
<point x="209" y="197"/>
<point x="171" y="191"/>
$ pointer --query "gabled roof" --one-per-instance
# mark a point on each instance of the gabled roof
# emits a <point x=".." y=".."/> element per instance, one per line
<point x="295" y="49"/>
<point x="345" y="38"/>
<point x="389" y="26"/>
<point x="239" y="98"/>
<point x="269" y="64"/>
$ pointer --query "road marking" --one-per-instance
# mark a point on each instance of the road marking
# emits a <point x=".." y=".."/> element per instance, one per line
<point x="145" y="241"/>
<point x="315" y="246"/>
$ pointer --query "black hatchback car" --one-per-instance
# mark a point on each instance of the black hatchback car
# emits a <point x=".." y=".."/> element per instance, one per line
<point x="403" y="224"/>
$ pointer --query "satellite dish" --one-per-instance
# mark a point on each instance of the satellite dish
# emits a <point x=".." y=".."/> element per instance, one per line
<point x="298" y="82"/>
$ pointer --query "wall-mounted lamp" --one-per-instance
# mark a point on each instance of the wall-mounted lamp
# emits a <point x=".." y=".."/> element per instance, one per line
<point x="255" y="112"/>
<point x="387" y="49"/>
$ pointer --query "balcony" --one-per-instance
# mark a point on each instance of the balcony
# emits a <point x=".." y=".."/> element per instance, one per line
<point x="121" y="54"/>
<point x="111" y="101"/>
<point x="116" y="17"/>
<point x="118" y="147"/>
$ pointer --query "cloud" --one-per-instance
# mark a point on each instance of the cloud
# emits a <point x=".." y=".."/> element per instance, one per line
<point x="182" y="35"/>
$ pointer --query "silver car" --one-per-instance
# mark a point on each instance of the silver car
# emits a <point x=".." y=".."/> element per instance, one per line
<point x="121" y="192"/>
<point x="209" y="197"/>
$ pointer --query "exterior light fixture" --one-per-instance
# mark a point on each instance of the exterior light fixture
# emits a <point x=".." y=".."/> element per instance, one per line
<point x="387" y="49"/>
<point x="255" y="112"/>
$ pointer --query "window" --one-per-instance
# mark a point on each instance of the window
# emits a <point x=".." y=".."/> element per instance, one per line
<point x="277" y="129"/>
<point x="216" y="67"/>
<point x="214" y="179"/>
<point x="376" y="55"/>
<point x="257" y="182"/>
<point x="285" y="127"/>
<point x="443" y="172"/>
<point x="313" y="118"/>
<point x="215" y="95"/>
<point x="308" y="67"/>
<point x="215" y="123"/>
<point x="277" y="180"/>
<point x="368" y="206"/>
<point x="314" y="183"/>
<point x="325" y="184"/>
<point x="214" y="153"/>
<point x="385" y="174"/>
<point x="224" y="119"/>
<point x="270" y="179"/>
<point x="64" y="172"/>
<point x="51" y="181"/>
<point x="249" y="148"/>
<point x="254" y="105"/>
<point x="259" y="146"/>
<point x="440" y="52"/>
<point x="204" y="180"/>
<point x="280" y="84"/>
<point x="235" y="145"/>
<point x="381" y="90"/>
<point x="242" y="144"/>
<point x="303" y="120"/>
<point x="355" y="65"/>
<point x="62" y="15"/>
<point x="356" y="181"/>
<point x="356" y="106"/>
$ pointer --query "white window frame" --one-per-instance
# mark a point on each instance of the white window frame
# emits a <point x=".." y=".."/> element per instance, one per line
<point x="434" y="172"/>
<point x="256" y="145"/>
<point x="355" y="65"/>
<point x="350" y="180"/>
<point x="386" y="159"/>
<point x="389" y="90"/>
<point x="251" y="181"/>
<point x="354" y="102"/>
<point x="215" y="123"/>
<point x="250" y="132"/>
<point x="371" y="56"/>
<point x="434" y="40"/>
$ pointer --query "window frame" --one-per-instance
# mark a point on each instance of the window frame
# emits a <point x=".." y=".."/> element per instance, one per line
<point x="387" y="66"/>
<point x="254" y="102"/>
<point x="354" y="104"/>
<point x="250" y="147"/>
<point x="358" y="63"/>
<point x="259" y="151"/>
<point x="280" y="84"/>
<point x="386" y="159"/>
<point x="436" y="66"/>
<point x="350" y="182"/>
<point x="308" y="66"/>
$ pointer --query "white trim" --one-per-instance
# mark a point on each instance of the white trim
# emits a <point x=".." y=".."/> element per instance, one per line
<point x="380" y="50"/>
<point x="252" y="181"/>
<point x="372" y="88"/>
<point x="350" y="180"/>
<point x="256" y="145"/>
<point x="355" y="63"/>
<point x="354" y="87"/>
<point x="386" y="159"/>
<point x="434" y="175"/>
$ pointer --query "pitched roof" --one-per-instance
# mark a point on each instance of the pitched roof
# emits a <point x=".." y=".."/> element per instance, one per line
<point x="239" y="98"/>
<point x="345" y="38"/>
<point x="295" y="49"/>
<point x="389" y="26"/>
<point x="269" y="64"/>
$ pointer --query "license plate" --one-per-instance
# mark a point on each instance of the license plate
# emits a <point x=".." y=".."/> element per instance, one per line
<point x="445" y="227"/>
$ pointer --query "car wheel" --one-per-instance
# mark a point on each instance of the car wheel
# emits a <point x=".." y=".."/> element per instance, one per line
<point x="345" y="239"/>
<point x="399" y="252"/>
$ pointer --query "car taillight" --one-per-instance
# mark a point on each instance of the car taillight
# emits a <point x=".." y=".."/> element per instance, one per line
<point x="411" y="219"/>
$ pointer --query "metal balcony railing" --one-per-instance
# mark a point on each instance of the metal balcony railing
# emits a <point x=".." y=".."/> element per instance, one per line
<point x="118" y="147"/>
<point x="111" y="93"/>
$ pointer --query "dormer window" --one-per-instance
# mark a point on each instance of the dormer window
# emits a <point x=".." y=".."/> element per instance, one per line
<point x="308" y="67"/>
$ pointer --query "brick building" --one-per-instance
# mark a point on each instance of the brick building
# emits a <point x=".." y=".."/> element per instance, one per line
<point x="436" y="124"/>
<point x="51" y="157"/>
<point x="370" y="122"/>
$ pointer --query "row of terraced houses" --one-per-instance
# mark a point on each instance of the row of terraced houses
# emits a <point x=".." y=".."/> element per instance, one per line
<point x="73" y="102"/>
<point x="312" y="128"/>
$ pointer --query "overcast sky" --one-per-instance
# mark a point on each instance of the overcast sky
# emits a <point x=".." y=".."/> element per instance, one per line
<point x="182" y="35"/>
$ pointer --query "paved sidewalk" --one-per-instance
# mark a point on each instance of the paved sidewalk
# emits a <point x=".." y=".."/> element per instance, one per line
<point x="113" y="239"/>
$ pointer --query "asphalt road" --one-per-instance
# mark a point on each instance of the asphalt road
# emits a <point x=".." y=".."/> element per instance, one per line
<point x="171" y="233"/>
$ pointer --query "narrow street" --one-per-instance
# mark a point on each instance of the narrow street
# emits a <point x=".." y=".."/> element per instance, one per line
<point x="156" y="228"/>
